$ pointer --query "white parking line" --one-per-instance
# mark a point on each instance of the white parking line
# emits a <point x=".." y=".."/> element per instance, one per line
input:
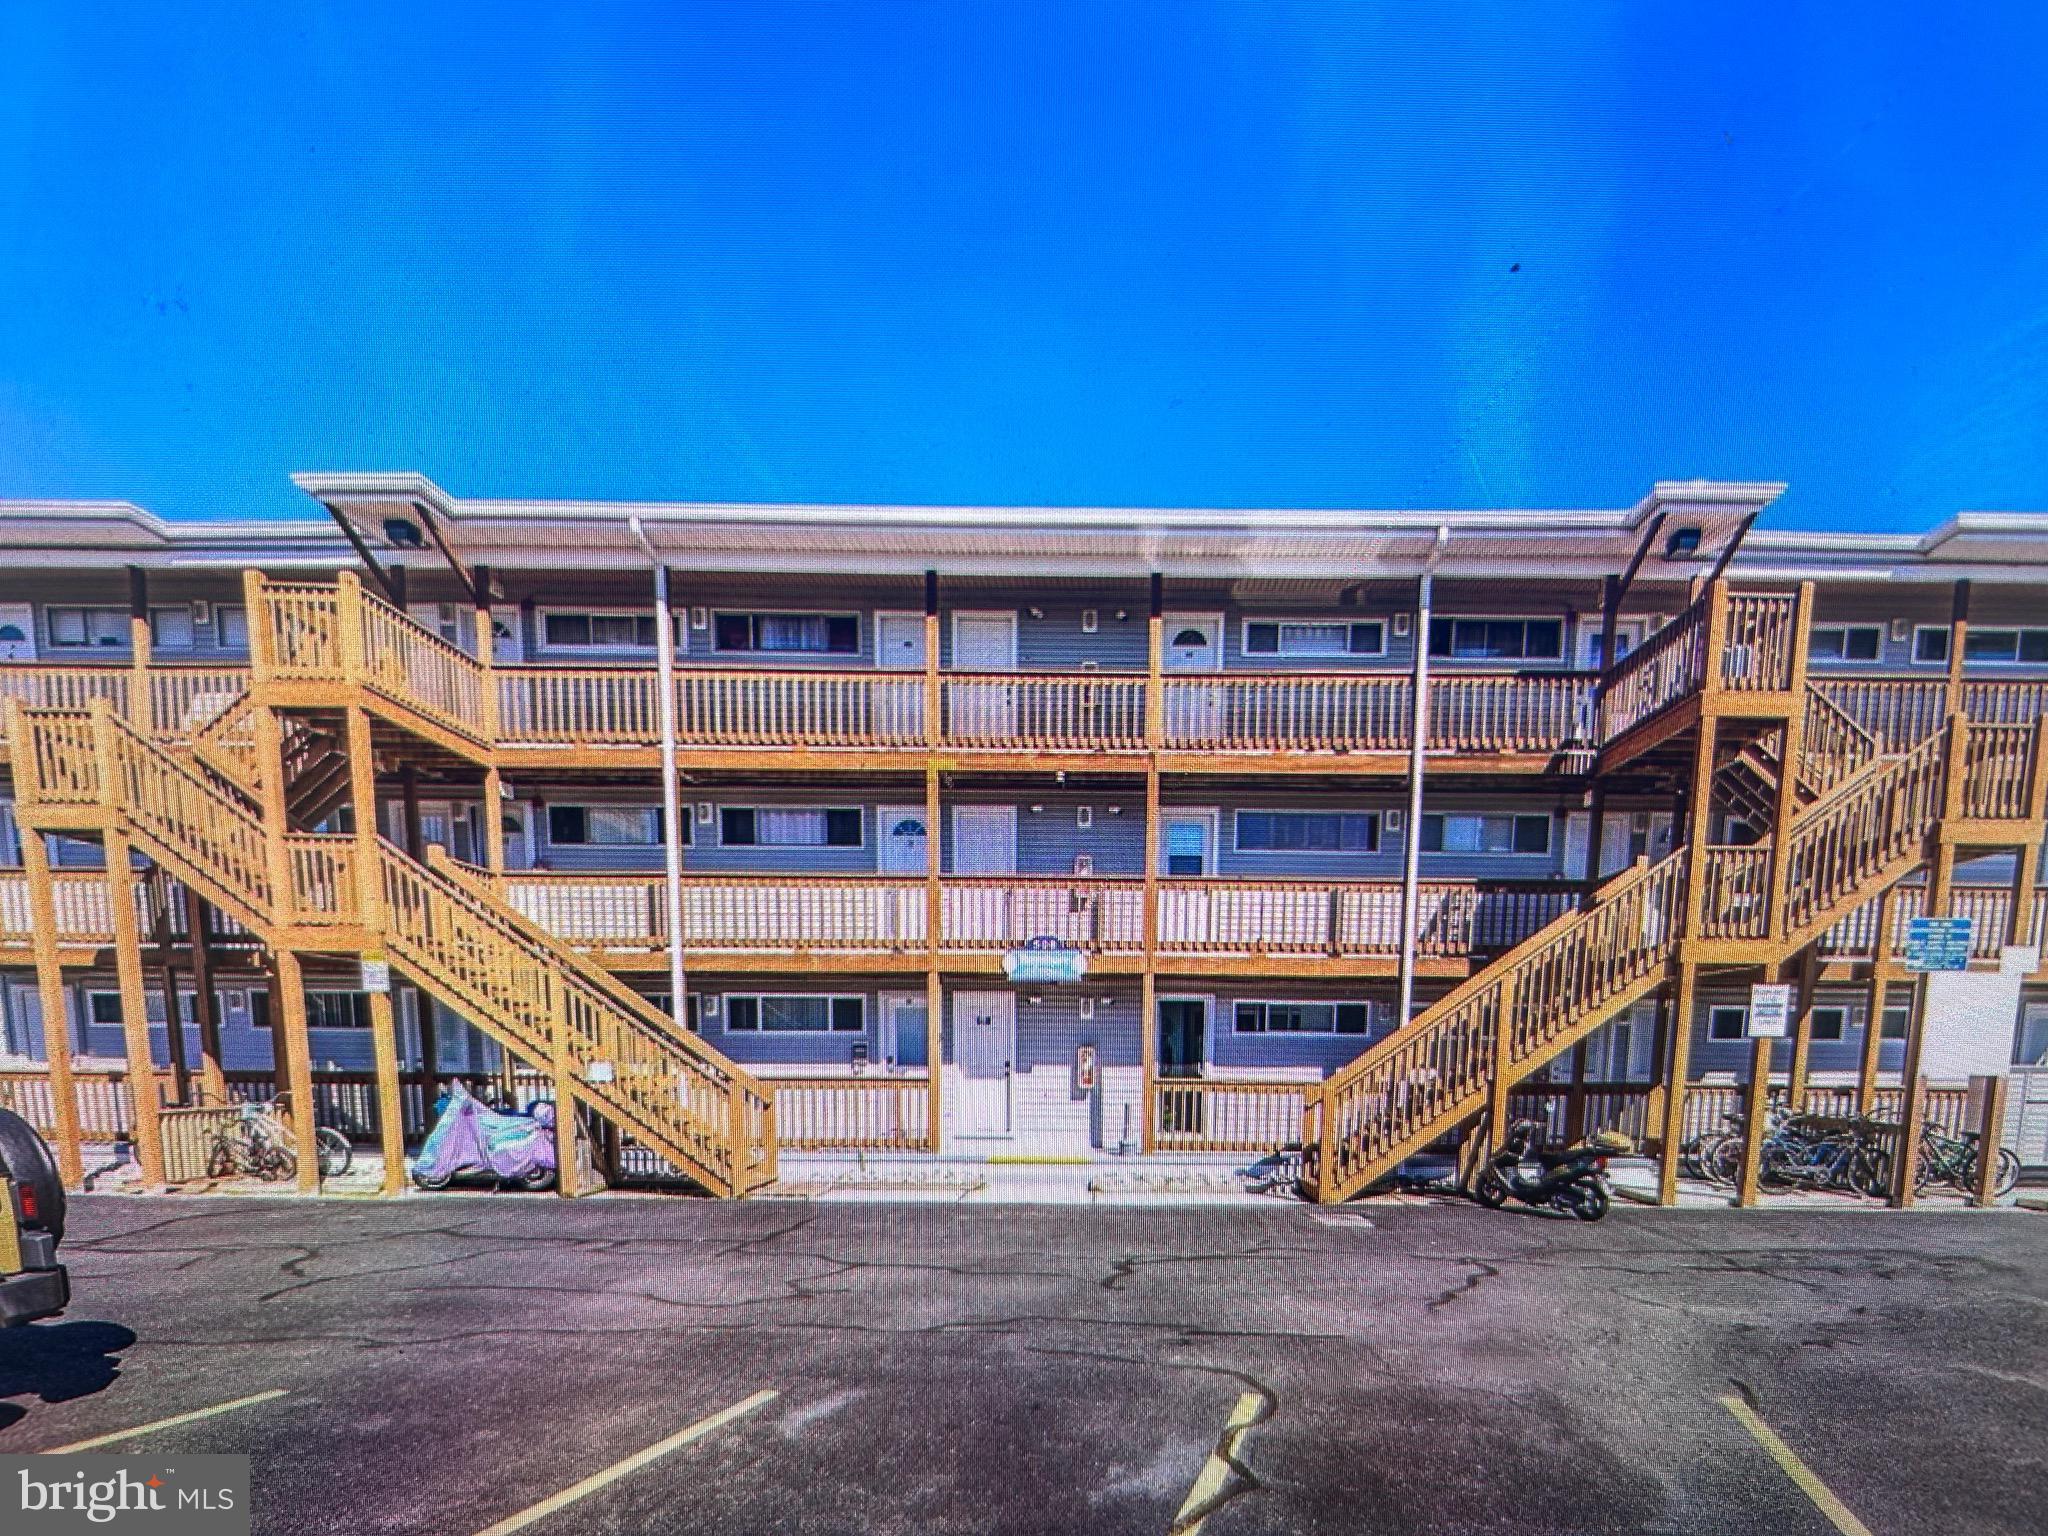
<point x="1803" y="1477"/>
<point x="177" y="1418"/>
<point x="1195" y="1508"/>
<point x="633" y="1463"/>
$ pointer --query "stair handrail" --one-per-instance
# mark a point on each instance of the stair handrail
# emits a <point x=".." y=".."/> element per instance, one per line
<point x="1666" y="667"/>
<point x="477" y="883"/>
<point x="384" y="647"/>
<point x="1830" y="858"/>
<point x="1833" y="736"/>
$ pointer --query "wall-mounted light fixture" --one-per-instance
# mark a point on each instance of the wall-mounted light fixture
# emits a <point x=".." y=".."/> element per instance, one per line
<point x="1084" y="815"/>
<point x="1036" y="613"/>
<point x="1089" y="622"/>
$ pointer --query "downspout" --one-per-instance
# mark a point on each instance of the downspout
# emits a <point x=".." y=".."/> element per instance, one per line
<point x="671" y="780"/>
<point x="1411" y="853"/>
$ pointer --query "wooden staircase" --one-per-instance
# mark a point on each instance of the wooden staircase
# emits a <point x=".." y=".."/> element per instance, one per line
<point x="449" y="932"/>
<point x="1866" y="825"/>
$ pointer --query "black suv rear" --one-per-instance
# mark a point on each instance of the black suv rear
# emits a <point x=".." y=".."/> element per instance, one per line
<point x="32" y="1283"/>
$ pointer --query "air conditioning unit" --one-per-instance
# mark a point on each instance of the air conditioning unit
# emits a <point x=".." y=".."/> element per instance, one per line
<point x="706" y="813"/>
<point x="1394" y="820"/>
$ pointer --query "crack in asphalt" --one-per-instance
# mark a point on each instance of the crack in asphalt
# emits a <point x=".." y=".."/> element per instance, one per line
<point x="1481" y="1273"/>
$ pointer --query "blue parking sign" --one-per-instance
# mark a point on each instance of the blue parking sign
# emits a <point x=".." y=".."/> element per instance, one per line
<point x="1938" y="943"/>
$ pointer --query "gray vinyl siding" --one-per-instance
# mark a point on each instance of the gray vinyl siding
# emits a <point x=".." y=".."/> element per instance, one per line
<point x="1049" y="1112"/>
<point x="1286" y="1055"/>
<point x="822" y="1050"/>
<point x="1845" y="1056"/>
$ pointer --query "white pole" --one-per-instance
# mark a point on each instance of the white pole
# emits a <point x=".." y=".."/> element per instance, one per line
<point x="1411" y="856"/>
<point x="671" y="780"/>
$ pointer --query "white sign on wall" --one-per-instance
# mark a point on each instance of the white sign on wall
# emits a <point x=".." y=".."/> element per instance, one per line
<point x="1770" y="1011"/>
<point x="376" y="974"/>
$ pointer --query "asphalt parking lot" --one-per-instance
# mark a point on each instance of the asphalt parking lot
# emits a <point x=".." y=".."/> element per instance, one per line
<point x="640" y="1365"/>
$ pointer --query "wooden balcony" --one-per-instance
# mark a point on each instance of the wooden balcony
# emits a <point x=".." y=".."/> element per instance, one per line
<point x="180" y="699"/>
<point x="880" y="921"/>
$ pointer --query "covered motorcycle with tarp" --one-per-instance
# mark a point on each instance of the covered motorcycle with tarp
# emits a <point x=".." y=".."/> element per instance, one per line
<point x="471" y="1138"/>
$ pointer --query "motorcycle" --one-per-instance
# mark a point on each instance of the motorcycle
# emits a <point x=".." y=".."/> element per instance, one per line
<point x="470" y="1137"/>
<point x="1573" y="1181"/>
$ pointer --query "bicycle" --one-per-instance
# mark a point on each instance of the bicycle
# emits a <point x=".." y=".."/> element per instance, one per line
<point x="260" y="1142"/>
<point x="1956" y="1160"/>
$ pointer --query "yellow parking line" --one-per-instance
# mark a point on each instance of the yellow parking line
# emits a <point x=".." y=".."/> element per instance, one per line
<point x="177" y="1418"/>
<point x="1194" y="1509"/>
<point x="633" y="1463"/>
<point x="1800" y="1473"/>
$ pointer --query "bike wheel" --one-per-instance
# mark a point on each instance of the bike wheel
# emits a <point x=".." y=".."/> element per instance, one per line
<point x="1725" y="1165"/>
<point x="2007" y="1177"/>
<point x="335" y="1152"/>
<point x="1870" y="1172"/>
<point x="1491" y="1191"/>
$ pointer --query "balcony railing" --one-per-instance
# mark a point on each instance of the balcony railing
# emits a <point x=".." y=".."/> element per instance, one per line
<point x="624" y="913"/>
<point x="1989" y="907"/>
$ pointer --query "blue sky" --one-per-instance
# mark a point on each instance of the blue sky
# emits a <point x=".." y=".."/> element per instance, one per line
<point x="1175" y="254"/>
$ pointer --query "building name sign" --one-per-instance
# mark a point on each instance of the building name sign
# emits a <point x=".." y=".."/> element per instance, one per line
<point x="1045" y="959"/>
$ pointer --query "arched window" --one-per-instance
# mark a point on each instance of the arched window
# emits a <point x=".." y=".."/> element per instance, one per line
<point x="1191" y="637"/>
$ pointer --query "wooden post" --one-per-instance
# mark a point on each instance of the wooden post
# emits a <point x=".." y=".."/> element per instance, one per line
<point x="348" y="602"/>
<point x="1677" y="1068"/>
<point x="487" y="652"/>
<point x="568" y="1175"/>
<point x="271" y="802"/>
<point x="934" y="1019"/>
<point x="1148" y="1052"/>
<point x="1148" y="1064"/>
<point x="1914" y="1121"/>
<point x="408" y="795"/>
<point x="1802" y="1029"/>
<point x="1989" y="1095"/>
<point x="390" y="1094"/>
<point x="142" y="1086"/>
<point x="933" y="732"/>
<point x="494" y="832"/>
<point x="934" y="936"/>
<point x="1503" y="1064"/>
<point x="42" y="907"/>
<point x="1883" y="971"/>
<point x="1660" y="1045"/>
<point x="1755" y="1110"/>
<point x="2019" y="928"/>
<point x="1785" y="803"/>
<point x="141" y="714"/>
<point x="288" y="1025"/>
<point x="1575" y="1097"/>
<point x="212" y="1078"/>
<point x="167" y="969"/>
<point x="1155" y="665"/>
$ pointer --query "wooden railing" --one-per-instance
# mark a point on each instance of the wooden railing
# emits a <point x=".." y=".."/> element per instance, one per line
<point x="867" y="1114"/>
<point x="85" y="913"/>
<point x="1762" y="634"/>
<point x="1398" y="1095"/>
<point x="1988" y="906"/>
<point x="1208" y="1114"/>
<point x="1835" y="745"/>
<point x="735" y="708"/>
<point x="591" y="706"/>
<point x="409" y="663"/>
<point x="659" y="1084"/>
<point x="1870" y="822"/>
<point x="1898" y="712"/>
<point x="294" y="630"/>
<point x="185" y="700"/>
<point x="1512" y="712"/>
<point x="1288" y="712"/>
<point x="2017" y="702"/>
<point x="1735" y="893"/>
<point x="189" y="1132"/>
<point x="620" y="912"/>
<point x="1665" y="668"/>
<point x="106" y="1109"/>
<point x="1998" y="764"/>
<point x="1044" y="711"/>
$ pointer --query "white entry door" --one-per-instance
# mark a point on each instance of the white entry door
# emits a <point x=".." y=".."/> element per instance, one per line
<point x="906" y="840"/>
<point x="1195" y="714"/>
<point x="899" y="702"/>
<point x="899" y="642"/>
<point x="1628" y="634"/>
<point x="17" y="632"/>
<point x="985" y="1051"/>
<point x="984" y="839"/>
<point x="983" y="710"/>
<point x="1187" y="849"/>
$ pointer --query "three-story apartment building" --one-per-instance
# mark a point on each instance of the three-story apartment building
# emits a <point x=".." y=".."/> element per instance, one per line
<point x="979" y="831"/>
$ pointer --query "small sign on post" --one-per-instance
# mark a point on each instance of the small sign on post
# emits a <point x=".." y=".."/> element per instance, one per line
<point x="1770" y="1011"/>
<point x="376" y="974"/>
<point x="1939" y="943"/>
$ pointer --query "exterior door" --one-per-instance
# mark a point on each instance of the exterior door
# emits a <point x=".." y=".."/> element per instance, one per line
<point x="1183" y="1021"/>
<point x="984" y="839"/>
<point x="906" y="840"/>
<point x="899" y="702"/>
<point x="983" y="710"/>
<point x="1628" y="634"/>
<point x="905" y="1042"/>
<point x="1194" y="642"/>
<point x="1196" y="713"/>
<point x="985" y="1051"/>
<point x="17" y="632"/>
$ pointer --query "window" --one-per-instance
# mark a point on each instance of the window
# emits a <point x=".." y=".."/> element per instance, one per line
<point x="781" y="634"/>
<point x="1727" y="1022"/>
<point x="105" y="1008"/>
<point x="598" y="631"/>
<point x="2009" y="646"/>
<point x="1308" y="832"/>
<point x="746" y="826"/>
<point x="691" y="1020"/>
<point x="1288" y="637"/>
<point x="170" y="629"/>
<point x="814" y="1014"/>
<point x="1845" y="642"/>
<point x="1930" y="643"/>
<point x="97" y="627"/>
<point x="1497" y="639"/>
<point x="608" y="826"/>
<point x="1301" y="1018"/>
<point x="1830" y="1023"/>
<point x="1897" y="1019"/>
<point x="337" y="1010"/>
<point x="1443" y="833"/>
<point x="231" y="622"/>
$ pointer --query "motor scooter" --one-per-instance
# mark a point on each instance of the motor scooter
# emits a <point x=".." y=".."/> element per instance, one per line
<point x="470" y="1137"/>
<point x="1573" y="1181"/>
